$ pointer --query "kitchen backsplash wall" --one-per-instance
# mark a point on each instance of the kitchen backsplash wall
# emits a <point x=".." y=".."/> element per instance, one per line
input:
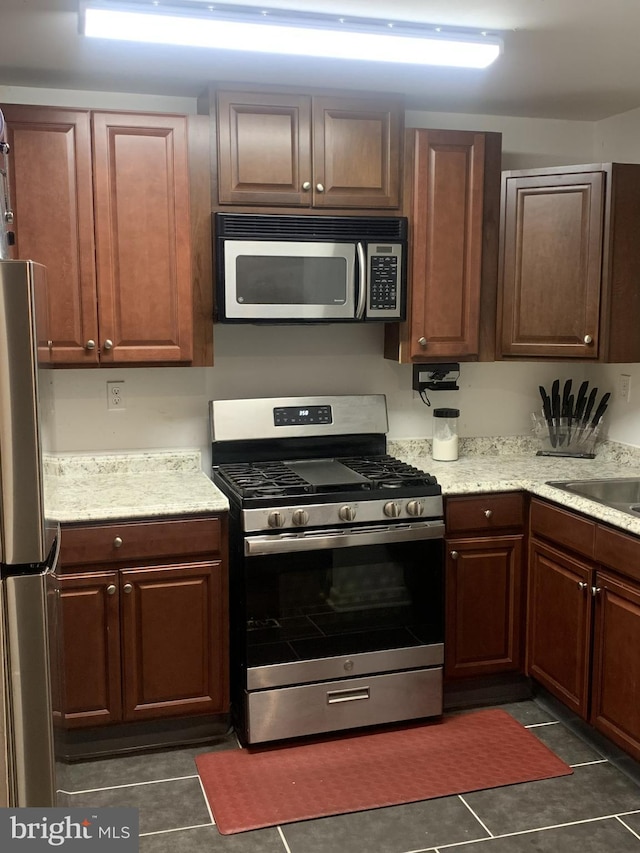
<point x="167" y="407"/>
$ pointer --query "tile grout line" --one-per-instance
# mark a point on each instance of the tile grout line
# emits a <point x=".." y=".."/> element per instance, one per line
<point x="174" y="829"/>
<point x="626" y="826"/>
<point x="534" y="829"/>
<point x="482" y="824"/>
<point x="128" y="785"/>
<point x="206" y="800"/>
<point x="283" y="839"/>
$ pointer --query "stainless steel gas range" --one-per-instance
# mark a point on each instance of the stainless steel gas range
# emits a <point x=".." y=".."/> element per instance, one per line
<point x="336" y="568"/>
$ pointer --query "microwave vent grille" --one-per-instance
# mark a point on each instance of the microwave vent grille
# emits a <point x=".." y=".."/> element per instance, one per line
<point x="342" y="228"/>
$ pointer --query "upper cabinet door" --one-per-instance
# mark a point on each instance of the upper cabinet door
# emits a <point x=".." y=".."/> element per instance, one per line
<point x="264" y="149"/>
<point x="552" y="243"/>
<point x="356" y="153"/>
<point x="51" y="189"/>
<point x="452" y="196"/>
<point x="302" y="151"/>
<point x="446" y="243"/>
<point x="143" y="254"/>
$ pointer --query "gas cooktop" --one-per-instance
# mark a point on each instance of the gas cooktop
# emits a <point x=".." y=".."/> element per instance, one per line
<point x="366" y="476"/>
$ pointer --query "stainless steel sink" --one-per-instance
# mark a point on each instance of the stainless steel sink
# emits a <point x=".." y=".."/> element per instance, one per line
<point x="622" y="494"/>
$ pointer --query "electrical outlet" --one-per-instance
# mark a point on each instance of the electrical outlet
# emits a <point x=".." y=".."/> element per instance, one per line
<point x="624" y="387"/>
<point x="115" y="395"/>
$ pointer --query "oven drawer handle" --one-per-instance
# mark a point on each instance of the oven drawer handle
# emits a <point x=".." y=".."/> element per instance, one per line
<point x="256" y="545"/>
<point x="353" y="695"/>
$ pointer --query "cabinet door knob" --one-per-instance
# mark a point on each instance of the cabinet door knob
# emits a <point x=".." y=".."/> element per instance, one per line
<point x="595" y="590"/>
<point x="488" y="513"/>
<point x="108" y="344"/>
<point x="117" y="542"/>
<point x="582" y="585"/>
<point x="422" y="341"/>
<point x="454" y="555"/>
<point x="111" y="589"/>
<point x="90" y="344"/>
<point x="320" y="188"/>
<point x="306" y="186"/>
<point x="588" y="339"/>
<point x="128" y="587"/>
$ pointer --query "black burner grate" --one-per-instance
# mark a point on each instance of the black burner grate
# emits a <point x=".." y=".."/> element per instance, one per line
<point x="277" y="479"/>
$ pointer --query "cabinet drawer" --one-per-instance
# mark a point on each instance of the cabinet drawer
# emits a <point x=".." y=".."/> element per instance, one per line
<point x="619" y="551"/>
<point x="153" y="540"/>
<point x="563" y="527"/>
<point x="484" y="513"/>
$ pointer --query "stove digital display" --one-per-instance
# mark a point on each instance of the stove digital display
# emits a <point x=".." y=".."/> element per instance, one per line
<point x="299" y="416"/>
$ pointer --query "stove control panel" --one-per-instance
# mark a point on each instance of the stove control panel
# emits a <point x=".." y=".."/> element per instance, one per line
<point x="301" y="415"/>
<point x="334" y="514"/>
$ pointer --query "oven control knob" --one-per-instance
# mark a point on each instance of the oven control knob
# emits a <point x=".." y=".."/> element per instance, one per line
<point x="415" y="507"/>
<point x="300" y="517"/>
<point x="392" y="509"/>
<point x="347" y="513"/>
<point x="275" y="519"/>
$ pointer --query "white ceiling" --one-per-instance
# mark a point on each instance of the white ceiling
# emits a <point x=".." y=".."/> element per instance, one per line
<point x="571" y="59"/>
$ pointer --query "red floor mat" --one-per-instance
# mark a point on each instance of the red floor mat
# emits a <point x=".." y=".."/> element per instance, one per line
<point x="258" y="787"/>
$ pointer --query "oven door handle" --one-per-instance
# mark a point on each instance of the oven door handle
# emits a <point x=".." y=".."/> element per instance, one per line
<point x="287" y="544"/>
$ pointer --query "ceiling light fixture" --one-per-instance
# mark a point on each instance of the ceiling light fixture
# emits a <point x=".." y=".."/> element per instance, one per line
<point x="226" y="27"/>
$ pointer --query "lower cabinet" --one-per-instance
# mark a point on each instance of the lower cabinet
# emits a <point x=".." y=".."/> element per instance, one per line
<point x="144" y="640"/>
<point x="484" y="583"/>
<point x="584" y="620"/>
<point x="559" y="624"/>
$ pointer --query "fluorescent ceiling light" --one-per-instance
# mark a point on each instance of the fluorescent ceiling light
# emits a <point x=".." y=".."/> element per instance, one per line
<point x="277" y="31"/>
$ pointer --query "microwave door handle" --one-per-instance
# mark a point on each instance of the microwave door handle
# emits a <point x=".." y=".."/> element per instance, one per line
<point x="361" y="302"/>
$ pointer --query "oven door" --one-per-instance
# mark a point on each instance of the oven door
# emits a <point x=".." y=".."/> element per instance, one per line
<point x="324" y="605"/>
<point x="277" y="281"/>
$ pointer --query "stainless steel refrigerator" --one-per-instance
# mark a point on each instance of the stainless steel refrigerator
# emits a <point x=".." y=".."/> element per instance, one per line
<point x="29" y="543"/>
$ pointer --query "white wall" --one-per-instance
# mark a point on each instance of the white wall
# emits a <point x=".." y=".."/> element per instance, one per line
<point x="167" y="407"/>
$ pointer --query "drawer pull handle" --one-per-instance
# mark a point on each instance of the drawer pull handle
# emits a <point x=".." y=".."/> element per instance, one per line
<point x="128" y="587"/>
<point x="454" y="555"/>
<point x="117" y="542"/>
<point x="111" y="589"/>
<point x="488" y="513"/>
<point x="335" y="696"/>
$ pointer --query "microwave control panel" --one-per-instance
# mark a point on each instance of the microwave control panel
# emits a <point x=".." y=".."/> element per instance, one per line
<point x="385" y="276"/>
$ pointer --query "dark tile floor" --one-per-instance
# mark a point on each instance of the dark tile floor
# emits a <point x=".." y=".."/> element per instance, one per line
<point x="595" y="810"/>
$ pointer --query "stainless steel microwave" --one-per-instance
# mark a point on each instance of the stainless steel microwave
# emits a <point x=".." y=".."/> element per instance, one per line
<point x="309" y="269"/>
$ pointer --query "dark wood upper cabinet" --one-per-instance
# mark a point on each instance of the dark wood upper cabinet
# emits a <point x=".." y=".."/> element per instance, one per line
<point x="50" y="170"/>
<point x="302" y="151"/>
<point x="451" y="197"/>
<point x="570" y="263"/>
<point x="103" y="201"/>
<point x="143" y="254"/>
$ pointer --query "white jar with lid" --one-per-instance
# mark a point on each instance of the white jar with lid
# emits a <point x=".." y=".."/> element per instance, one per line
<point x="445" y="435"/>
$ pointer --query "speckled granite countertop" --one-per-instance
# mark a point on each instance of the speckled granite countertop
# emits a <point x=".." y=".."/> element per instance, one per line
<point x="132" y="485"/>
<point x="510" y="464"/>
<point x="146" y="485"/>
